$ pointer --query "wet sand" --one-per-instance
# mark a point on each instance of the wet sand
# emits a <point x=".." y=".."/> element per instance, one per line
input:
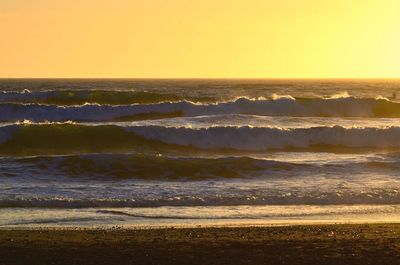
<point x="306" y="244"/>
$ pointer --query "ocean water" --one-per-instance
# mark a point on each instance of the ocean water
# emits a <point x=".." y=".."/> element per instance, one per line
<point x="189" y="152"/>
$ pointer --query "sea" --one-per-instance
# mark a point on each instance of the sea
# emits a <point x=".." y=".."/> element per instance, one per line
<point x="156" y="152"/>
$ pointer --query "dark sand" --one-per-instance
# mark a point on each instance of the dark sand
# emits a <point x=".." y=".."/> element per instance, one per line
<point x="317" y="244"/>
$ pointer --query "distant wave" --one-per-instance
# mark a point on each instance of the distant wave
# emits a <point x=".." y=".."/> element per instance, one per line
<point x="281" y="106"/>
<point x="67" y="138"/>
<point x="79" y="97"/>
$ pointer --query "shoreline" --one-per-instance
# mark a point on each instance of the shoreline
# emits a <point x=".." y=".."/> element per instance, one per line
<point x="198" y="225"/>
<point x="197" y="216"/>
<point x="377" y="243"/>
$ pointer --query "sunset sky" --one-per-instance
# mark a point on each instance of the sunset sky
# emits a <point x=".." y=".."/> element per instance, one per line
<point x="200" y="38"/>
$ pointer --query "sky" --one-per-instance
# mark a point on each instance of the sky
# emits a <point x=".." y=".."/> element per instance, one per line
<point x="200" y="38"/>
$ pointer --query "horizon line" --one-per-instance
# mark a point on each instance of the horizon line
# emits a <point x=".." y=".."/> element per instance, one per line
<point x="206" y="78"/>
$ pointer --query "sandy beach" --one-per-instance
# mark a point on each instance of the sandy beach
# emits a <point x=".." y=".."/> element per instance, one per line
<point x="305" y="244"/>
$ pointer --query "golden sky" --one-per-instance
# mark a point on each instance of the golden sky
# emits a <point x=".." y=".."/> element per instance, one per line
<point x="200" y="38"/>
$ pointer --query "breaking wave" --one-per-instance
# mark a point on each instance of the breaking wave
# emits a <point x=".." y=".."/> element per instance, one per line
<point x="61" y="138"/>
<point x="282" y="106"/>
